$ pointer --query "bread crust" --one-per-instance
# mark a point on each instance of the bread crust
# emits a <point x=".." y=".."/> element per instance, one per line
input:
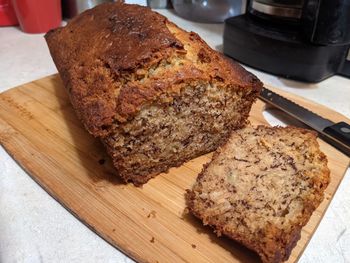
<point x="273" y="242"/>
<point x="154" y="94"/>
<point x="96" y="60"/>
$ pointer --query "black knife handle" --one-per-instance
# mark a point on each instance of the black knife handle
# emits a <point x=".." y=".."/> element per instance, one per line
<point x="341" y="132"/>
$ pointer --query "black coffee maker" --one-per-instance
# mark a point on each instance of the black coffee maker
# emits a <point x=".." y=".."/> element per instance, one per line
<point x="306" y="40"/>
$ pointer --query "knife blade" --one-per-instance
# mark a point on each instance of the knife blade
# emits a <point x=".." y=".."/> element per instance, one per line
<point x="336" y="134"/>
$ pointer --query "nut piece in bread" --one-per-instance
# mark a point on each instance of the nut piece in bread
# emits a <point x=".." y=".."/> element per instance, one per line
<point x="155" y="94"/>
<point x="261" y="188"/>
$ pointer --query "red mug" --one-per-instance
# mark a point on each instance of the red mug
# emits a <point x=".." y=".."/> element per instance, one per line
<point x="38" y="16"/>
<point x="7" y="14"/>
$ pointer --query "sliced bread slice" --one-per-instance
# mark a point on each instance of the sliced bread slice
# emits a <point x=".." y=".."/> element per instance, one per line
<point x="261" y="188"/>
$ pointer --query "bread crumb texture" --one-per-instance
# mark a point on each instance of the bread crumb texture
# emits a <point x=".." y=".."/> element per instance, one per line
<point x="261" y="188"/>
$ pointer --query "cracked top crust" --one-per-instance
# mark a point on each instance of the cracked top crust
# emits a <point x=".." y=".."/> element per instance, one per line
<point x="116" y="58"/>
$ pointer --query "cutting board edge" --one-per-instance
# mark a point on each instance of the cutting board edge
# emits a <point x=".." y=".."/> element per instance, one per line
<point x="20" y="160"/>
<point x="105" y="237"/>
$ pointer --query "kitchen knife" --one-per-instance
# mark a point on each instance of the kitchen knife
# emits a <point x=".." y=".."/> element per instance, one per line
<point x="336" y="134"/>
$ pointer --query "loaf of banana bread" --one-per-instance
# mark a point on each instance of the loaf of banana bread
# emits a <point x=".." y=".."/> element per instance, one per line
<point x="155" y="94"/>
<point x="261" y="188"/>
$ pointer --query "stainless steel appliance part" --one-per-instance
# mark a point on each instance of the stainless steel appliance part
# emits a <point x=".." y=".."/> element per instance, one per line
<point x="209" y="11"/>
<point x="159" y="4"/>
<point x="72" y="8"/>
<point x="275" y="8"/>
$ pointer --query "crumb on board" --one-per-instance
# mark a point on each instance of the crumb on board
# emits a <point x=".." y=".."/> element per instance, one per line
<point x="186" y="211"/>
<point x="152" y="240"/>
<point x="152" y="214"/>
<point x="113" y="230"/>
<point x="193" y="245"/>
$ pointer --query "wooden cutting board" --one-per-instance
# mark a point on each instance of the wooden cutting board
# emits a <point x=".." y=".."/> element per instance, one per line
<point x="40" y="131"/>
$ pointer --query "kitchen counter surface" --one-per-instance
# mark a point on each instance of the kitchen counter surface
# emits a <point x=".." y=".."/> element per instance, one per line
<point x="36" y="228"/>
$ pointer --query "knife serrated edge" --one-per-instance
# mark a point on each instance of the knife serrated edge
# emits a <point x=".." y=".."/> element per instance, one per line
<point x="304" y="115"/>
<point x="268" y="96"/>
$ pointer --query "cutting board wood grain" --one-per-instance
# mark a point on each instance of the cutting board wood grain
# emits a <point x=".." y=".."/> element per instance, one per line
<point x="39" y="129"/>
